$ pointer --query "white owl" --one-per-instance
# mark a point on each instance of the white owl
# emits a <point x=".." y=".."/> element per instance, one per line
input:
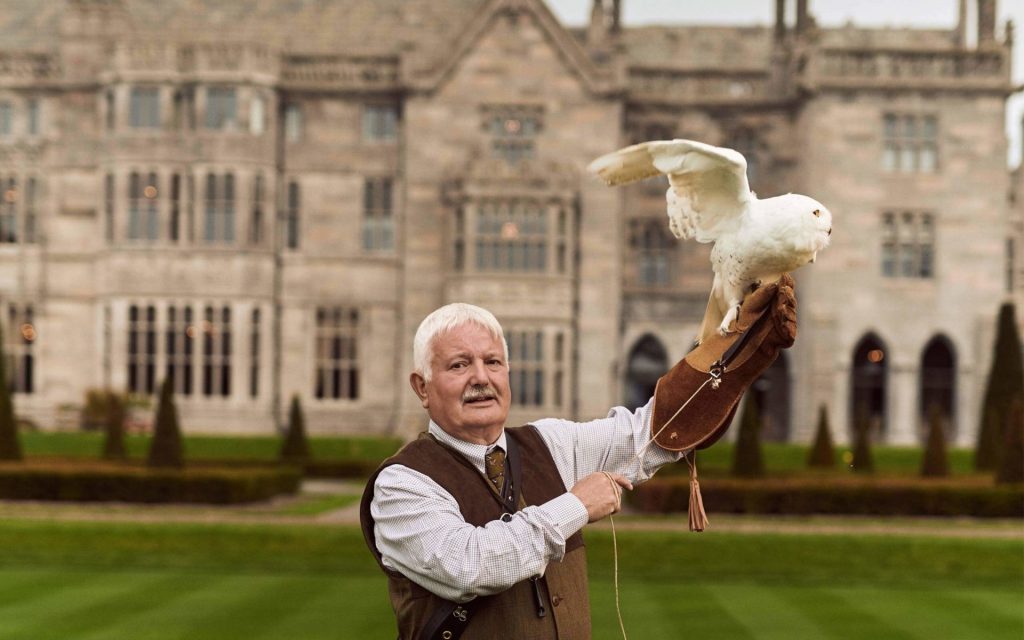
<point x="756" y="241"/>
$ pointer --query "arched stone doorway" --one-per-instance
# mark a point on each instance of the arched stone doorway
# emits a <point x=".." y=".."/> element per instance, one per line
<point x="772" y="391"/>
<point x="647" y="362"/>
<point x="869" y="382"/>
<point x="938" y="384"/>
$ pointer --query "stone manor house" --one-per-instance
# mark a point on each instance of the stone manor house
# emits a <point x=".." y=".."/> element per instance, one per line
<point x="258" y="199"/>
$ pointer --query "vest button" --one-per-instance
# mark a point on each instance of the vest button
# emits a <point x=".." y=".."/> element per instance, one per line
<point x="556" y="600"/>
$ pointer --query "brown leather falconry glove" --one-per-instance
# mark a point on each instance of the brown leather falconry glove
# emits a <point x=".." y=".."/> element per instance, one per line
<point x="695" y="401"/>
<point x="711" y="379"/>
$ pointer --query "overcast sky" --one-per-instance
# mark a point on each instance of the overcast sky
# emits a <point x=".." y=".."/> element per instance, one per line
<point x="828" y="13"/>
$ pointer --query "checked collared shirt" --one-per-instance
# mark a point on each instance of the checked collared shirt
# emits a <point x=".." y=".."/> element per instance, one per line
<point x="420" y="531"/>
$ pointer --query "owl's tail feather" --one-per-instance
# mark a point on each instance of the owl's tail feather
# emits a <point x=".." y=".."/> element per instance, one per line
<point x="625" y="165"/>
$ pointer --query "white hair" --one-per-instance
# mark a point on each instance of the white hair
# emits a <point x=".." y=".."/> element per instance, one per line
<point x="445" y="319"/>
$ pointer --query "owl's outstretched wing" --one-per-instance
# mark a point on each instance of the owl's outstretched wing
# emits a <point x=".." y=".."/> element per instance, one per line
<point x="709" y="184"/>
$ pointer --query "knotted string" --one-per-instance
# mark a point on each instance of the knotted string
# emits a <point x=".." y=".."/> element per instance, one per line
<point x="694" y="488"/>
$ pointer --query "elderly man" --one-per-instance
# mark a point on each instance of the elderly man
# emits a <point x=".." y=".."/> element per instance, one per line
<point x="478" y="526"/>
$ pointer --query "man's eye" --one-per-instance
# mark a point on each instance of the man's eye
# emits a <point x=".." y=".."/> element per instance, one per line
<point x="458" y="365"/>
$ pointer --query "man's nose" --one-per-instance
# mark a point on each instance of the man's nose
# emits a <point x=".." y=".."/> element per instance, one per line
<point x="478" y="371"/>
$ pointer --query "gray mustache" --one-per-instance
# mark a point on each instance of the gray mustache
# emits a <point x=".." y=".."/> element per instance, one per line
<point x="479" y="393"/>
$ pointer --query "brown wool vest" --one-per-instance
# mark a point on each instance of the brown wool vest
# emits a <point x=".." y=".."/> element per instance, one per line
<point x="511" y="613"/>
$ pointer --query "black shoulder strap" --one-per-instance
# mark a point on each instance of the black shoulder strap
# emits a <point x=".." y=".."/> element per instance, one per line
<point x="450" y="619"/>
<point x="515" y="469"/>
<point x="448" y="622"/>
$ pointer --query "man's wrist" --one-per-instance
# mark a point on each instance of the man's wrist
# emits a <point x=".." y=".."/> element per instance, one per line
<point x="568" y="512"/>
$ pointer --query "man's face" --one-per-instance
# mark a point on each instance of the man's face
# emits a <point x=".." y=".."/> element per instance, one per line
<point x="468" y="394"/>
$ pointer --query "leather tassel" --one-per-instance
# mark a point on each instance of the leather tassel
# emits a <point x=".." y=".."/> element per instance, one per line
<point x="698" y="518"/>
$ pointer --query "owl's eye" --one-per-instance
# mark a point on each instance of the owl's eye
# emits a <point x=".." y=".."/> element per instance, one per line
<point x="817" y="213"/>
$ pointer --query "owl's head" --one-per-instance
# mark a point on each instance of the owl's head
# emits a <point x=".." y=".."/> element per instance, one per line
<point x="808" y="217"/>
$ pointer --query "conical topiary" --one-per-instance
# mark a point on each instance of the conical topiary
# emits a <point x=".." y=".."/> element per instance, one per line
<point x="936" y="462"/>
<point x="113" y="427"/>
<point x="1011" y="466"/>
<point x="862" y="462"/>
<point x="295" y="447"/>
<point x="823" y="452"/>
<point x="1005" y="380"/>
<point x="10" y="446"/>
<point x="747" y="459"/>
<point x="166" y="450"/>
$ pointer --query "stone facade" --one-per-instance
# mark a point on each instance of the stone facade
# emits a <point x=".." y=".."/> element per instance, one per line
<point x="264" y="199"/>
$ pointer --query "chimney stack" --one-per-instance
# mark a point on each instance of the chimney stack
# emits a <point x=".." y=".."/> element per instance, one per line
<point x="802" y="17"/>
<point x="780" y="19"/>
<point x="605" y="20"/>
<point x="961" y="25"/>
<point x="986" y="22"/>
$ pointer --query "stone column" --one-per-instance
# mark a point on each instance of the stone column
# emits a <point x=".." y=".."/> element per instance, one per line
<point x="902" y="405"/>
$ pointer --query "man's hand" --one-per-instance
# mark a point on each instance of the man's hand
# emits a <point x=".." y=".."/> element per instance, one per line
<point x="601" y="493"/>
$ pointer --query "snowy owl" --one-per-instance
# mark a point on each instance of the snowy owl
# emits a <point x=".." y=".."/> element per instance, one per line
<point x="709" y="200"/>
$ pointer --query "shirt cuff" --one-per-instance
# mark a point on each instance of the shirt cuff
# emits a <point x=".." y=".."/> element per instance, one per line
<point x="568" y="514"/>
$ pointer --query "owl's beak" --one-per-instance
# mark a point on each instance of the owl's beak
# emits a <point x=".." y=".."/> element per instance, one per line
<point x="830" y="231"/>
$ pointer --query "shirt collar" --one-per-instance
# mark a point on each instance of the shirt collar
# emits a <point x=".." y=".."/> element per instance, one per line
<point x="473" y="452"/>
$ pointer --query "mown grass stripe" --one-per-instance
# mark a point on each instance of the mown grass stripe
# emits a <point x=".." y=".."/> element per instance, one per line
<point x="933" y="613"/>
<point x="74" y="598"/>
<point x="663" y="610"/>
<point x="108" y="597"/>
<point x="841" y="617"/>
<point x="23" y="586"/>
<point x="765" y="614"/>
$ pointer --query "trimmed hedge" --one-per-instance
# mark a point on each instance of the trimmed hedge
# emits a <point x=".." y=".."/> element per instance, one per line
<point x="357" y="469"/>
<point x="123" y="483"/>
<point x="339" y="469"/>
<point x="853" y="496"/>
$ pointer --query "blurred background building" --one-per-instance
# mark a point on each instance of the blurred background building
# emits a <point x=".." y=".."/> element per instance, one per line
<point x="260" y="199"/>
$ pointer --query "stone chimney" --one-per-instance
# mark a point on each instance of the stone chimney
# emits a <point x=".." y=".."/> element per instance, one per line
<point x="961" y="25"/>
<point x="803" y="18"/>
<point x="780" y="19"/>
<point x="986" y="22"/>
<point x="605" y="21"/>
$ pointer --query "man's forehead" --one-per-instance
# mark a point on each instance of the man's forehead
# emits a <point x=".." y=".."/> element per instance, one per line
<point x="469" y="337"/>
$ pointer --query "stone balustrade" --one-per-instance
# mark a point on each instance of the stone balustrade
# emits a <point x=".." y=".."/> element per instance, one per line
<point x="340" y="72"/>
<point x="909" y="66"/>
<point x="24" y="65"/>
<point x="697" y="86"/>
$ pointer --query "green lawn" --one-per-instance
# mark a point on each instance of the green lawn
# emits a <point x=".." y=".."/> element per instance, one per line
<point x="143" y="581"/>
<point x="259" y="448"/>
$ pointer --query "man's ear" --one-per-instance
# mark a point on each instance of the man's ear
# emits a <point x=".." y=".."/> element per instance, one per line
<point x="419" y="387"/>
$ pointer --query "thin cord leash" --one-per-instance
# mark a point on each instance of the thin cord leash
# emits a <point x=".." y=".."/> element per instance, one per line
<point x="639" y="454"/>
<point x="615" y="555"/>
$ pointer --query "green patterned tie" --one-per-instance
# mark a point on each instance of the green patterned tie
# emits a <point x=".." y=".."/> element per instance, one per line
<point x="495" y="464"/>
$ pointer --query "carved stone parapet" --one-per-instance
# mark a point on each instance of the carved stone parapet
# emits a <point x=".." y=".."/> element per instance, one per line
<point x="355" y="73"/>
<point x="226" y="56"/>
<point x="910" y="67"/>
<point x="19" y="66"/>
<point x="675" y="86"/>
<point x="144" y="56"/>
